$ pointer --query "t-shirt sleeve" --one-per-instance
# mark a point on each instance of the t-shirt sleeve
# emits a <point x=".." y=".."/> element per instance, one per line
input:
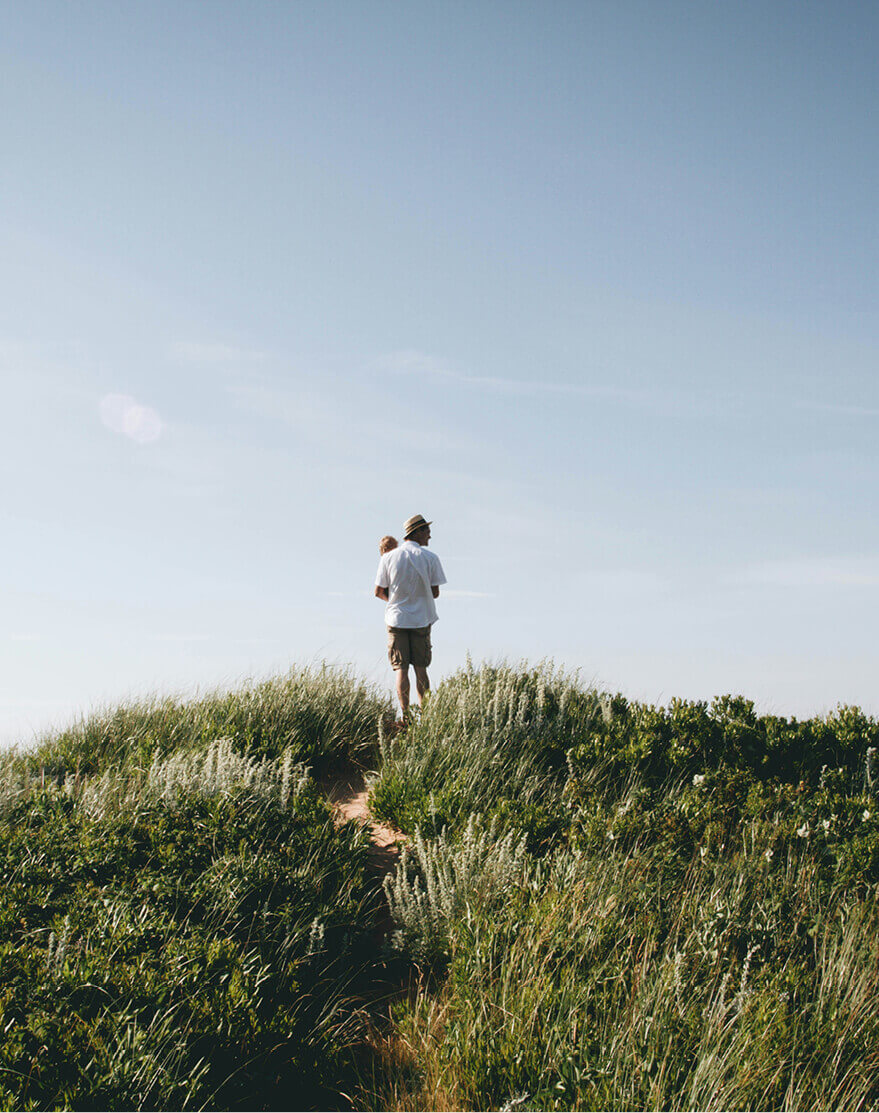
<point x="437" y="576"/>
<point x="381" y="577"/>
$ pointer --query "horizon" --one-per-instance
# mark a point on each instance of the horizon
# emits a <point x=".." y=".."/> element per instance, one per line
<point x="590" y="286"/>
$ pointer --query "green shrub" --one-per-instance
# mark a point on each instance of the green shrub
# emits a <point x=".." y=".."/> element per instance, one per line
<point x="689" y="738"/>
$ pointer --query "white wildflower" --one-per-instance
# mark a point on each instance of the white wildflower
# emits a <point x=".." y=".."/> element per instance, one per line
<point x="702" y="851"/>
<point x="825" y="823"/>
<point x="768" y="853"/>
<point x="866" y="815"/>
<point x="698" y="778"/>
<point x="446" y="880"/>
<point x="803" y="832"/>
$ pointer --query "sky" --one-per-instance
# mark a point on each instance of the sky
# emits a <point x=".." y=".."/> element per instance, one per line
<point x="591" y="285"/>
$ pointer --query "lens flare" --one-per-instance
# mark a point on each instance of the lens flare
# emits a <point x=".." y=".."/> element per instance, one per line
<point x="124" y="414"/>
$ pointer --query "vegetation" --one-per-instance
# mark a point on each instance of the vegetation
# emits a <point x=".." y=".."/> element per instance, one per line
<point x="321" y="715"/>
<point x="182" y="922"/>
<point x="600" y="904"/>
<point x="656" y="909"/>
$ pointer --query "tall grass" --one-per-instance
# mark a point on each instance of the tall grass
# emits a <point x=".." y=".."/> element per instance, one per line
<point x="600" y="984"/>
<point x="183" y="936"/>
<point x="696" y="931"/>
<point x="485" y="735"/>
<point x="182" y="919"/>
<point x="603" y="904"/>
<point x="320" y="714"/>
<point x="428" y="899"/>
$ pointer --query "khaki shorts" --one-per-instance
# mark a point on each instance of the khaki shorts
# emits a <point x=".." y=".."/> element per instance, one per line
<point x="409" y="647"/>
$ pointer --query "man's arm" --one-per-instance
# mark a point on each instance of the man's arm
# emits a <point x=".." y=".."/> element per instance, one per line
<point x="382" y="593"/>
<point x="437" y="575"/>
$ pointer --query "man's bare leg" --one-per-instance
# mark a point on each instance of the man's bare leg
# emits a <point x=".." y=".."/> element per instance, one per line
<point x="422" y="683"/>
<point x="403" y="691"/>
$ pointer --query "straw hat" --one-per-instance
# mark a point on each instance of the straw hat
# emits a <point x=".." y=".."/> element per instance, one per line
<point x="413" y="524"/>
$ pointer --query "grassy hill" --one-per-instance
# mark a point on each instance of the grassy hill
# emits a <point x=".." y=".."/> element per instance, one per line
<point x="601" y="904"/>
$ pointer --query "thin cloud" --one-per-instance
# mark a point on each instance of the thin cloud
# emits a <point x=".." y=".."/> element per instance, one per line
<point x="624" y="581"/>
<point x="844" y="572"/>
<point x="322" y="418"/>
<point x="839" y="408"/>
<point x="453" y="593"/>
<point x="420" y="363"/>
<point x="188" y="352"/>
<point x="414" y="362"/>
<point x="182" y="637"/>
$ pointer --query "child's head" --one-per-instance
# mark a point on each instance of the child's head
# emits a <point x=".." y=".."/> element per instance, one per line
<point x="386" y="544"/>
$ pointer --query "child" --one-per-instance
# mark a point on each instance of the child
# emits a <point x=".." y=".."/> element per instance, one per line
<point x="386" y="544"/>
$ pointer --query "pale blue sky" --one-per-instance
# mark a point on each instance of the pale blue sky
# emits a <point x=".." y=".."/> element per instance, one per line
<point x="591" y="285"/>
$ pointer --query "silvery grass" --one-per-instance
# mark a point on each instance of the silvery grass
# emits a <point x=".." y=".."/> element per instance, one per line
<point x="740" y="987"/>
<point x="219" y="770"/>
<point x="321" y="714"/>
<point x="483" y="732"/>
<point x="437" y="881"/>
<point x="16" y="780"/>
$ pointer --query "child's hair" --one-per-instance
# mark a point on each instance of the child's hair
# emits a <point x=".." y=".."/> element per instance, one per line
<point x="386" y="544"/>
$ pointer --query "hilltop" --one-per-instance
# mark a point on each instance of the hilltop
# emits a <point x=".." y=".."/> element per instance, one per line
<point x="598" y="903"/>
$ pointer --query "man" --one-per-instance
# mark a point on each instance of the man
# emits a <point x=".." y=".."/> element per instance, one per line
<point x="408" y="580"/>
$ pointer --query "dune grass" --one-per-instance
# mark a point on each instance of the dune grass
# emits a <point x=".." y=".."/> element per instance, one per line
<point x="607" y="980"/>
<point x="600" y="905"/>
<point x="616" y="906"/>
<point x="182" y="936"/>
<point x="183" y="921"/>
<point x="487" y="738"/>
<point x="321" y="715"/>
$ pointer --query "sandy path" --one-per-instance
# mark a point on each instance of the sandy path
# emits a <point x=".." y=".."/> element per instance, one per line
<point x="348" y="794"/>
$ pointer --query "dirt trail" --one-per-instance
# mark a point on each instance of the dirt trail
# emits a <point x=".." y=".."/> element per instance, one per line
<point x="348" y="794"/>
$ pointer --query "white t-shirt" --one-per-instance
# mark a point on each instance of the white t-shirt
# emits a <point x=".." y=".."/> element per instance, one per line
<point x="409" y="572"/>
